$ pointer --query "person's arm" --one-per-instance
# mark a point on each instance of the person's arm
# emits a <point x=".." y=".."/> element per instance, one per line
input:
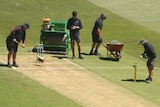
<point x="99" y="32"/>
<point x="69" y="25"/>
<point x="24" y="39"/>
<point x="144" y="54"/>
<point x="13" y="34"/>
<point x="80" y="25"/>
<point x="99" y="27"/>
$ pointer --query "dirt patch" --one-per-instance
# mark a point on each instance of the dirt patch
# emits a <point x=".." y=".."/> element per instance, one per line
<point x="77" y="83"/>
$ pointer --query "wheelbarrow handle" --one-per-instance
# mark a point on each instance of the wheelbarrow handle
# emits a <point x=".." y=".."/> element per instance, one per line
<point x="105" y="45"/>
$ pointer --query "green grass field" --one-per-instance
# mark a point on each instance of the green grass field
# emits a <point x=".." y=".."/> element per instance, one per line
<point x="17" y="90"/>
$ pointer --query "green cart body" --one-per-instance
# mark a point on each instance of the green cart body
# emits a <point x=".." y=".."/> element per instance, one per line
<point x="56" y="39"/>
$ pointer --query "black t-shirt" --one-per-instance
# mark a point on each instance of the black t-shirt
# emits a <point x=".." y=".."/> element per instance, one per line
<point x="74" y="22"/>
<point x="17" y="33"/>
<point x="149" y="50"/>
<point x="98" y="24"/>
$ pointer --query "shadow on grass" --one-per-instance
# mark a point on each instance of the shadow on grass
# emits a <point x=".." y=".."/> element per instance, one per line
<point x="3" y="65"/>
<point x="132" y="80"/>
<point x="102" y="58"/>
<point x="108" y="58"/>
<point x="86" y="54"/>
<point x="60" y="57"/>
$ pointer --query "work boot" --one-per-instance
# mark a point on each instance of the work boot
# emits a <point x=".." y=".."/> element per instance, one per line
<point x="96" y="53"/>
<point x="14" y="64"/>
<point x="91" y="52"/>
<point x="148" y="80"/>
<point x="80" y="57"/>
<point x="9" y="65"/>
<point x="73" y="57"/>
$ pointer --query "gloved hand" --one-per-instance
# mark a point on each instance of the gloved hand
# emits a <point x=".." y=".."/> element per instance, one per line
<point x="99" y="40"/>
<point x="143" y="56"/>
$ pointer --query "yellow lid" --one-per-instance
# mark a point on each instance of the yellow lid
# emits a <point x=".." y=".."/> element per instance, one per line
<point x="46" y="19"/>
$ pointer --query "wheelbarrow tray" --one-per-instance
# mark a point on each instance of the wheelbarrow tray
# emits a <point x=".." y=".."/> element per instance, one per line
<point x="115" y="47"/>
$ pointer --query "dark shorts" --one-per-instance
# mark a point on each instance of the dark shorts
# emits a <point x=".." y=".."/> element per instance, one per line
<point x="75" y="38"/>
<point x="96" y="39"/>
<point x="11" y="46"/>
<point x="151" y="62"/>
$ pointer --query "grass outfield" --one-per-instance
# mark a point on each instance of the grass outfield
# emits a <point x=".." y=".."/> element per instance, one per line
<point x="115" y="27"/>
<point x="145" y="13"/>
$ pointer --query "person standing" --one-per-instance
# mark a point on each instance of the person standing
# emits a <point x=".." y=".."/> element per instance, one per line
<point x="74" y="25"/>
<point x="96" y="34"/>
<point x="150" y="53"/>
<point x="16" y="35"/>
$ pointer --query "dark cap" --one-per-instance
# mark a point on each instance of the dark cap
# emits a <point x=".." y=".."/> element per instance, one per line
<point x="103" y="15"/>
<point x="26" y="25"/>
<point x="74" y="13"/>
<point x="142" y="41"/>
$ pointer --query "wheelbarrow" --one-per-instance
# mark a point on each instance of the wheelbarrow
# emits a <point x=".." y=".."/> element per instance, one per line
<point x="113" y="49"/>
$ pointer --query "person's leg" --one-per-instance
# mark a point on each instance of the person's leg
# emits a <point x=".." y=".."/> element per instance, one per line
<point x="150" y="66"/>
<point x="96" y="49"/>
<point x="92" y="48"/>
<point x="97" y="46"/>
<point x="15" y="55"/>
<point x="14" y="59"/>
<point x="10" y="49"/>
<point x="72" y="46"/>
<point x="94" y="41"/>
<point x="10" y="53"/>
<point x="150" y="70"/>
<point x="79" y="49"/>
<point x="98" y="41"/>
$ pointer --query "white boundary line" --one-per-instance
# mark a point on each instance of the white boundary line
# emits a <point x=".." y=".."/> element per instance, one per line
<point x="49" y="69"/>
<point x="112" y="67"/>
<point x="73" y="63"/>
<point x="78" y="67"/>
<point x="3" y="61"/>
<point x="104" y="67"/>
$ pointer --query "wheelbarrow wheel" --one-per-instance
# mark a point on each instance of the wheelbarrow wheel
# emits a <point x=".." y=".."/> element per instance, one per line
<point x="116" y="59"/>
<point x="118" y="56"/>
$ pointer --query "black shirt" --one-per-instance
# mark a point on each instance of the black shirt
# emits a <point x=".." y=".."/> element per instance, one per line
<point x="74" y="22"/>
<point x="149" y="50"/>
<point x="98" y="24"/>
<point x="17" y="33"/>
